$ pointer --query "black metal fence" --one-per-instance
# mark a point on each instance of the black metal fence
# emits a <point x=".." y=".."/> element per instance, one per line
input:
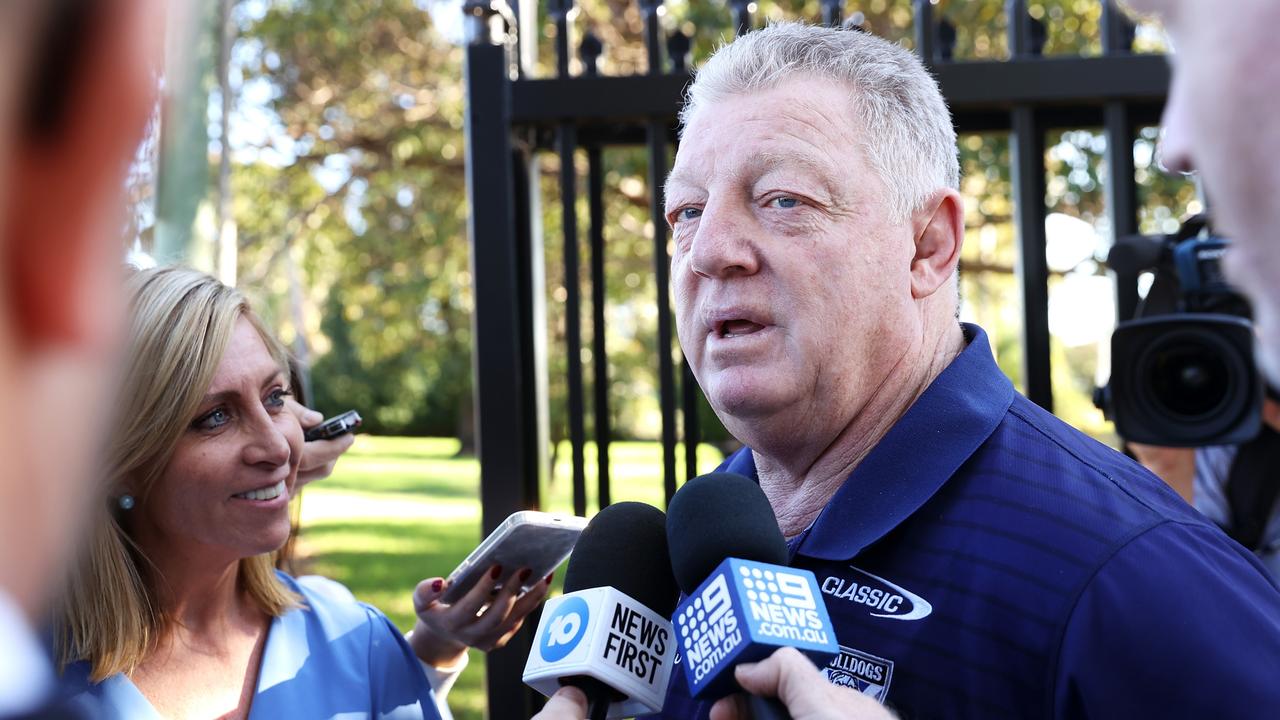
<point x="511" y="117"/>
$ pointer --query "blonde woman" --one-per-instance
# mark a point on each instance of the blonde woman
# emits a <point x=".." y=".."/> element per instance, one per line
<point x="179" y="612"/>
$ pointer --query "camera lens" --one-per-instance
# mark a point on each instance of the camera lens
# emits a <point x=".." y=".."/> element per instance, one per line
<point x="1188" y="379"/>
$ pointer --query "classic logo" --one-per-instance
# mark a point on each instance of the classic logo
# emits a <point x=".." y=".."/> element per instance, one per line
<point x="864" y="672"/>
<point x="881" y="597"/>
<point x="565" y="629"/>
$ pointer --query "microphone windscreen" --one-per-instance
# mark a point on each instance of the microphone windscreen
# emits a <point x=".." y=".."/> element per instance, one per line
<point x="625" y="547"/>
<point x="718" y="516"/>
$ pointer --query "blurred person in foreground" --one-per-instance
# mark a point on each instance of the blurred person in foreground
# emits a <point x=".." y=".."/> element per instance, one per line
<point x="1222" y="120"/>
<point x="77" y="83"/>
<point x="76" y="88"/>
<point x="178" y="610"/>
<point x="978" y="556"/>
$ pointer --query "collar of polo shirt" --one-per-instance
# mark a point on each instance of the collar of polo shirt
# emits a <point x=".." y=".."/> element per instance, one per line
<point x="952" y="418"/>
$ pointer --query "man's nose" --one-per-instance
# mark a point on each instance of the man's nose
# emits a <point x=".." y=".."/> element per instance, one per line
<point x="723" y="245"/>
<point x="1174" y="153"/>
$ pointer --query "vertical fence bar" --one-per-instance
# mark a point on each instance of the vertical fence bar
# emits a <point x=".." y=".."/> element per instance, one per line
<point x="1029" y="210"/>
<point x="559" y="12"/>
<point x="567" y="142"/>
<point x="741" y="16"/>
<point x="506" y="418"/>
<point x="651" y="9"/>
<point x="1019" y="29"/>
<point x="590" y="51"/>
<point x="832" y="12"/>
<point x="924" y="32"/>
<point x="599" y="356"/>
<point x="691" y="395"/>
<point x="678" y="45"/>
<point x="1122" y="197"/>
<point x="1122" y="187"/>
<point x="1117" y="30"/>
<point x="1032" y="267"/>
<point x="656" y="138"/>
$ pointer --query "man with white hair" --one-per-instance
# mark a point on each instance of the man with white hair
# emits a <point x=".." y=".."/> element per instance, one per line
<point x="979" y="557"/>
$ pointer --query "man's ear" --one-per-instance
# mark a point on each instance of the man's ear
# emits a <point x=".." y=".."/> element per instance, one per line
<point x="939" y="234"/>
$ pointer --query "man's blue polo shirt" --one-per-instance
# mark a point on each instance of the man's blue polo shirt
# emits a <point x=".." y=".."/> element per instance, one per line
<point x="987" y="560"/>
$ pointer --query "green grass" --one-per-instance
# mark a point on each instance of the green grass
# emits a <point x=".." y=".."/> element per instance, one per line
<point x="398" y="510"/>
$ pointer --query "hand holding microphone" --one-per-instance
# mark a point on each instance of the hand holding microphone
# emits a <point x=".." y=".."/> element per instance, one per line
<point x="743" y="603"/>
<point x="802" y="689"/>
<point x="609" y="634"/>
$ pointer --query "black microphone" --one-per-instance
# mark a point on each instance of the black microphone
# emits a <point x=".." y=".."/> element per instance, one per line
<point x="743" y="603"/>
<point x="609" y="634"/>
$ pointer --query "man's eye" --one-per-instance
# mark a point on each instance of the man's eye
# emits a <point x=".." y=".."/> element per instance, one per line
<point x="784" y="202"/>
<point x="212" y="420"/>
<point x="688" y="213"/>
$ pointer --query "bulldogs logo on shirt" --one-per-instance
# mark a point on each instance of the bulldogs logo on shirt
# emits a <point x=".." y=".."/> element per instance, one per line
<point x="864" y="672"/>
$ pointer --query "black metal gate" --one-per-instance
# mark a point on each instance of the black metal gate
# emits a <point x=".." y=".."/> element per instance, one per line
<point x="511" y="117"/>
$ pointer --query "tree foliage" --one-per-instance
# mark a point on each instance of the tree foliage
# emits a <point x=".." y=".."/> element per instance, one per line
<point x="351" y="205"/>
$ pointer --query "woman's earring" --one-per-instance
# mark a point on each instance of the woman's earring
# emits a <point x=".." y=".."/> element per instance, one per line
<point x="126" y="502"/>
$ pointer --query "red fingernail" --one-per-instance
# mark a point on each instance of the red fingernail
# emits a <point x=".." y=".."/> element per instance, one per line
<point x="524" y="574"/>
<point x="495" y="572"/>
<point x="437" y="586"/>
<point x="551" y="576"/>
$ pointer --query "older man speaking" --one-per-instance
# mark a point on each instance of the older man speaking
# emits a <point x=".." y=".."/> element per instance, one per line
<point x="979" y="557"/>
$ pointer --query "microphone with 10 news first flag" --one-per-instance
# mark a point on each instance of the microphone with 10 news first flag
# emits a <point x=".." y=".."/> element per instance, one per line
<point x="742" y="602"/>
<point x="609" y="633"/>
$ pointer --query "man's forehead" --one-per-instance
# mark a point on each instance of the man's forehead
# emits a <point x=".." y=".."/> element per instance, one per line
<point x="741" y="136"/>
<point x="701" y="170"/>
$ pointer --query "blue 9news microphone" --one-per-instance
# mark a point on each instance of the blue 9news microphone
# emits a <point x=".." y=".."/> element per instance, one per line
<point x="609" y="634"/>
<point x="743" y="603"/>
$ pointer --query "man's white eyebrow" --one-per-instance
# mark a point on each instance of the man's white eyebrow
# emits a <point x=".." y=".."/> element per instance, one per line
<point x="759" y="165"/>
<point x="768" y="160"/>
<point x="677" y="177"/>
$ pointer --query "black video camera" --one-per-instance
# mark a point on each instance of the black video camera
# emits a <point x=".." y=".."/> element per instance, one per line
<point x="1182" y="370"/>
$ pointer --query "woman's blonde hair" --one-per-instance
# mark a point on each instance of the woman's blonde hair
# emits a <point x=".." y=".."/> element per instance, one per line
<point x="180" y="323"/>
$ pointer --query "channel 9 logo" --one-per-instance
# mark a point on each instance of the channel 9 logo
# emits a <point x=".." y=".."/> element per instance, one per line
<point x="777" y="588"/>
<point x="565" y="629"/>
<point x="704" y="613"/>
<point x="743" y="612"/>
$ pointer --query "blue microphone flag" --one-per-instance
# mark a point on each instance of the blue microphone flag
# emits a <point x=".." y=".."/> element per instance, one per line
<point x="744" y="612"/>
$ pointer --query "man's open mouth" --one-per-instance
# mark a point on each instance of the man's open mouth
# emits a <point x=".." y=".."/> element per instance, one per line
<point x="738" y="328"/>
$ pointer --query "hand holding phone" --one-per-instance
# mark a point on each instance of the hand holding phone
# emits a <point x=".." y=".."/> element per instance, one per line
<point x="335" y="426"/>
<point x="528" y="539"/>
<point x="319" y="457"/>
<point x="485" y="618"/>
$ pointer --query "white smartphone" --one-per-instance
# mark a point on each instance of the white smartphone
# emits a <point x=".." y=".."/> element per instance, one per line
<point x="528" y="539"/>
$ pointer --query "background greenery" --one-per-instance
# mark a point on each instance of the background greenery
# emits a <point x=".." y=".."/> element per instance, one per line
<point x="346" y="198"/>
